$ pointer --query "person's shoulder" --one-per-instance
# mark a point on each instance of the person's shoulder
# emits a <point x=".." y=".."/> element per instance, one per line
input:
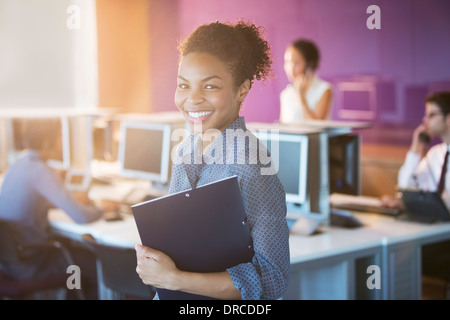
<point x="437" y="149"/>
<point x="289" y="88"/>
<point x="30" y="158"/>
<point x="325" y="84"/>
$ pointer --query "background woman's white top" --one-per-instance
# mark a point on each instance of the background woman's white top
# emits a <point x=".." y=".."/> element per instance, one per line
<point x="291" y="109"/>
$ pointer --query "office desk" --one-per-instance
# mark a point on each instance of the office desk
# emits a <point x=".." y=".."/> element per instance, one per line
<point x="334" y="264"/>
<point x="122" y="233"/>
<point x="331" y="264"/>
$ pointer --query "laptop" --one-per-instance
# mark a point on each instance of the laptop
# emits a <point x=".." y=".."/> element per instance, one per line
<point x="423" y="206"/>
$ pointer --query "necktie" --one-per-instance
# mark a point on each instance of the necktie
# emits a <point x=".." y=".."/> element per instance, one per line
<point x="441" y="184"/>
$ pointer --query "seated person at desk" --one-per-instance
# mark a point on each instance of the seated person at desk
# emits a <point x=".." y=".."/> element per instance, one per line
<point x="422" y="168"/>
<point x="30" y="188"/>
<point x="218" y="65"/>
<point x="306" y="96"/>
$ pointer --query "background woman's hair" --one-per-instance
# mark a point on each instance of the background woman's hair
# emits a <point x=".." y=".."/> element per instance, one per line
<point x="309" y="51"/>
<point x="240" y="46"/>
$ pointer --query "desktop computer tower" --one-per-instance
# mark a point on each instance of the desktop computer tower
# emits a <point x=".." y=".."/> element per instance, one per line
<point x="318" y="176"/>
<point x="344" y="164"/>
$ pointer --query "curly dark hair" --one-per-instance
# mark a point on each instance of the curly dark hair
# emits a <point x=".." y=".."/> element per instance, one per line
<point x="240" y="46"/>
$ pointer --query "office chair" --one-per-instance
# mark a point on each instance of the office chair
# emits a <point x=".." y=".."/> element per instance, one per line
<point x="118" y="270"/>
<point x="12" y="251"/>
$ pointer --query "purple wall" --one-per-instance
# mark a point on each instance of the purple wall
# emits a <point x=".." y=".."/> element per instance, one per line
<point x="164" y="32"/>
<point x="409" y="52"/>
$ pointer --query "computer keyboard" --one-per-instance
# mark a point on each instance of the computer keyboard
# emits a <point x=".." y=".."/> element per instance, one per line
<point x="361" y="204"/>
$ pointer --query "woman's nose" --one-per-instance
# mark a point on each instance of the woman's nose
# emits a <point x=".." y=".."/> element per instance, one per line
<point x="195" y="96"/>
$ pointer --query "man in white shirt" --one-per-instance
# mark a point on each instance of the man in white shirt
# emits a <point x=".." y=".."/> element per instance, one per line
<point x="422" y="169"/>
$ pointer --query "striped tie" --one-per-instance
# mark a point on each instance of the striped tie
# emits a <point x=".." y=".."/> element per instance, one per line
<point x="441" y="184"/>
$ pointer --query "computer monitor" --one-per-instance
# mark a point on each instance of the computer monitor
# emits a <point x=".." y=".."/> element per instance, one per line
<point x="289" y="154"/>
<point x="302" y="160"/>
<point x="144" y="151"/>
<point x="59" y="155"/>
<point x="344" y="164"/>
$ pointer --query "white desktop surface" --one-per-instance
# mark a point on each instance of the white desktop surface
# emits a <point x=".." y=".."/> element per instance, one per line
<point x="330" y="241"/>
<point x="33" y="112"/>
<point x="377" y="230"/>
<point x="396" y="231"/>
<point x="311" y="126"/>
<point x="330" y="124"/>
<point x="323" y="264"/>
<point x="122" y="233"/>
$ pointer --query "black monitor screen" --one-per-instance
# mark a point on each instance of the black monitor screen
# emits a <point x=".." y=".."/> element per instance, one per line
<point x="344" y="164"/>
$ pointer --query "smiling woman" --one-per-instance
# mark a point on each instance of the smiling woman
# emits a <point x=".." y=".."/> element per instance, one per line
<point x="206" y="94"/>
<point x="215" y="75"/>
<point x="218" y="64"/>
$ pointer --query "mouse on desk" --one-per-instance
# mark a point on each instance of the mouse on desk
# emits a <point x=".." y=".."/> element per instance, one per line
<point x="344" y="219"/>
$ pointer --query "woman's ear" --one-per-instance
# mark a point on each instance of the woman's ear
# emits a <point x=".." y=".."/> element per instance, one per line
<point x="243" y="90"/>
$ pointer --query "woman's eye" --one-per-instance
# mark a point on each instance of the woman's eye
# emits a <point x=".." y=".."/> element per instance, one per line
<point x="183" y="86"/>
<point x="210" y="86"/>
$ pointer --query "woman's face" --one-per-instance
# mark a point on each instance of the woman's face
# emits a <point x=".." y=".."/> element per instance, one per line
<point x="294" y="63"/>
<point x="206" y="94"/>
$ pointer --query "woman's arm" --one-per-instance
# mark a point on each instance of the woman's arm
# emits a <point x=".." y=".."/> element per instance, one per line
<point x="51" y="187"/>
<point x="322" y="108"/>
<point x="157" y="269"/>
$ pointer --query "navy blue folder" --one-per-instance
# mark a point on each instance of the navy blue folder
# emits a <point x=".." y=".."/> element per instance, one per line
<point x="423" y="206"/>
<point x="202" y="229"/>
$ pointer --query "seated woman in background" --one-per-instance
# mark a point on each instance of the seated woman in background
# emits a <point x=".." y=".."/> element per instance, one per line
<point x="306" y="96"/>
<point x="30" y="188"/>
